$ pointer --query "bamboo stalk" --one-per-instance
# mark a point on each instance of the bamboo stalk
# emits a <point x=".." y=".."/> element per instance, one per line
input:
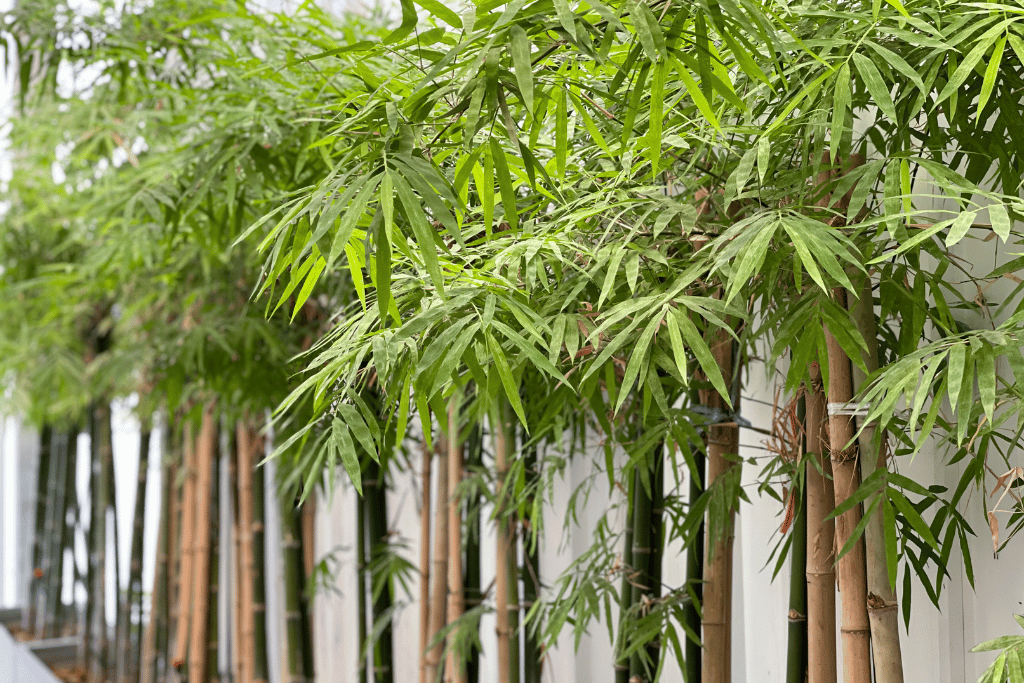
<point x="852" y="572"/>
<point x="694" y="578"/>
<point x="881" y="601"/>
<point x="175" y="525"/>
<point x="156" y="631"/>
<point x="296" y="628"/>
<point x="238" y="574"/>
<point x="377" y="529"/>
<point x="474" y="594"/>
<point x="532" y="659"/>
<point x="66" y="532"/>
<point x="213" y="574"/>
<point x="640" y="585"/>
<point x="257" y="566"/>
<point x="102" y="459"/>
<point x="456" y="588"/>
<point x="361" y="574"/>
<point x="626" y="588"/>
<point x="187" y="551"/>
<point x="112" y="656"/>
<point x="205" y="460"/>
<point x="506" y="582"/>
<point x="131" y="655"/>
<point x="30" y="622"/>
<point x="796" y="654"/>
<point x="723" y="443"/>
<point x="439" y="572"/>
<point x="427" y="456"/>
<point x="53" y="545"/>
<point x="821" y="577"/>
<point x="656" y="543"/>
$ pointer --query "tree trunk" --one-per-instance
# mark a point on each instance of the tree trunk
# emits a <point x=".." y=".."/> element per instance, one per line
<point x="506" y="581"/>
<point x="206" y="446"/>
<point x="796" y="656"/>
<point x="456" y="587"/>
<point x="254" y="478"/>
<point x="425" y="560"/>
<point x="187" y="550"/>
<point x="439" y="571"/>
<point x="131" y="655"/>
<point x="723" y="444"/>
<point x="821" y="577"/>
<point x="852" y="573"/>
<point x="882" y="602"/>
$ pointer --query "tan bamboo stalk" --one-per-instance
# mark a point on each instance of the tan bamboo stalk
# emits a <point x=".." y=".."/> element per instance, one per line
<point x="439" y="590"/>
<point x="505" y="588"/>
<point x="456" y="592"/>
<point x="821" y="576"/>
<point x="246" y="624"/>
<point x="205" y="449"/>
<point x="425" y="562"/>
<point x="882" y="602"/>
<point x="187" y="552"/>
<point x="308" y="549"/>
<point x="852" y="573"/>
<point x="723" y="442"/>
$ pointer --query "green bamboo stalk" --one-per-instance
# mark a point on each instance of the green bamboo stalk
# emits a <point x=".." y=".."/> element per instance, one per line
<point x="474" y="592"/>
<point x="112" y="656"/>
<point x="66" y="533"/>
<point x="507" y="579"/>
<point x="296" y="628"/>
<point x="796" y="655"/>
<point x="361" y="572"/>
<point x="694" y="573"/>
<point x="102" y="458"/>
<point x="532" y="663"/>
<point x="131" y="648"/>
<point x="640" y="587"/>
<point x="654" y="569"/>
<point x="259" y="582"/>
<point x="626" y="590"/>
<point x="53" y="548"/>
<point x="30" y="622"/>
<point x="377" y="530"/>
<point x="156" y="630"/>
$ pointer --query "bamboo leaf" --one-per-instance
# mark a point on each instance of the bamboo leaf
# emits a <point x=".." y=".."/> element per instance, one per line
<point x="991" y="72"/>
<point x="520" y="48"/>
<point x="347" y="450"/>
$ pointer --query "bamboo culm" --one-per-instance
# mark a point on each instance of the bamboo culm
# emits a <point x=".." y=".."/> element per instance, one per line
<point x="296" y="624"/>
<point x="532" y="660"/>
<point x="852" y="572"/>
<point x="626" y="589"/>
<point x="213" y="574"/>
<point x="882" y="602"/>
<point x="377" y="531"/>
<point x="506" y="582"/>
<point x="33" y="617"/>
<point x="474" y="594"/>
<point x="456" y="587"/>
<point x="53" y="537"/>
<point x="186" y="551"/>
<point x="694" y="577"/>
<point x="821" y="578"/>
<point x="796" y="655"/>
<point x="130" y="654"/>
<point x="439" y="567"/>
<point x="206" y="447"/>
<point x="257" y="567"/>
<point x="424" y="606"/>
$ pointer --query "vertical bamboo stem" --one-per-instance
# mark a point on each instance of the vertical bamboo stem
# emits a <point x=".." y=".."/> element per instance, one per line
<point x="796" y="656"/>
<point x="456" y="589"/>
<point x="642" y="542"/>
<point x="440" y="565"/>
<point x="33" y="617"/>
<point x="65" y="533"/>
<point x="657" y="542"/>
<point x="361" y="574"/>
<point x="506" y="584"/>
<point x="102" y="458"/>
<point x="474" y="594"/>
<point x="296" y="628"/>
<point x="821" y="577"/>
<point x="377" y="530"/>
<point x="882" y="601"/>
<point x="187" y="551"/>
<point x="694" y="577"/>
<point x="53" y="537"/>
<point x="205" y="450"/>
<point x="257" y="565"/>
<point x="238" y="573"/>
<point x="626" y="589"/>
<point x="852" y="572"/>
<point x="213" y="574"/>
<point x="131" y="655"/>
<point x="425" y="559"/>
<point x="723" y="444"/>
<point x="156" y="630"/>
<point x="532" y="662"/>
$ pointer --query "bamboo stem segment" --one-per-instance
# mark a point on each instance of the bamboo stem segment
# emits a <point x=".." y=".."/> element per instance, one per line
<point x="852" y="574"/>
<point x="439" y="571"/>
<point x="505" y="582"/>
<point x="425" y="561"/>
<point x="882" y="602"/>
<point x="821" y="578"/>
<point x="456" y="590"/>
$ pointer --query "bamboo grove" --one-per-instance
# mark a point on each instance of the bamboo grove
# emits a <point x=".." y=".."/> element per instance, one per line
<point x="480" y="240"/>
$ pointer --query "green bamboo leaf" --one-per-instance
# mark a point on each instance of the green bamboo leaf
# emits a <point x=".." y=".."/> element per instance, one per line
<point x="655" y="119"/>
<point x="1000" y="220"/>
<point x="520" y="48"/>
<point x="961" y="225"/>
<point x="409" y="19"/>
<point x="967" y="66"/>
<point x="508" y="194"/>
<point x="1001" y="643"/>
<point x="877" y="480"/>
<point x="694" y="91"/>
<point x="561" y="131"/>
<point x="955" y="372"/>
<point x="991" y="72"/>
<point x="440" y="10"/>
<point x="637" y="359"/>
<point x="426" y="237"/>
<point x="505" y="374"/>
<point x="858" y="530"/>
<point x="702" y="352"/>
<point x="913" y="517"/>
<point x="875" y="84"/>
<point x="842" y="103"/>
<point x="310" y="282"/>
<point x="347" y="450"/>
<point x="763" y="157"/>
<point x="566" y="18"/>
<point x="648" y="30"/>
<point x="986" y="369"/>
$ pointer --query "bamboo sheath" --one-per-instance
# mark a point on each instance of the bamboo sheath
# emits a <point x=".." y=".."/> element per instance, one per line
<point x="821" y="577"/>
<point x="456" y="591"/>
<point x="425" y="561"/>
<point x="723" y="443"/>
<point x="205" y="450"/>
<point x="852" y="575"/>
<point x="882" y="603"/>
<point x="439" y="571"/>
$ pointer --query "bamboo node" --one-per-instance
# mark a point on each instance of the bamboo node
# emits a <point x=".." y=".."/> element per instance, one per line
<point x="845" y="455"/>
<point x="877" y="603"/>
<point x="795" y="616"/>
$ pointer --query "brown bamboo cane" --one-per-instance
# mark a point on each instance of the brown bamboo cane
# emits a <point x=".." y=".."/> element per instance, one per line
<point x="723" y="443"/>
<point x="882" y="603"/>
<point x="505" y="584"/>
<point x="438" y="611"/>
<point x="187" y="543"/>
<point x="821" y="576"/>
<point x="243" y="452"/>
<point x="855" y="630"/>
<point x="456" y="591"/>
<point x="205" y="449"/>
<point x="425" y="561"/>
